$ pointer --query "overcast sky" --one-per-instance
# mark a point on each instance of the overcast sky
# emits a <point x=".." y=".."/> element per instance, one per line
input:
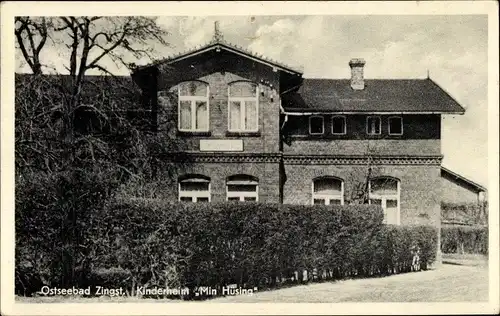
<point x="453" y="49"/>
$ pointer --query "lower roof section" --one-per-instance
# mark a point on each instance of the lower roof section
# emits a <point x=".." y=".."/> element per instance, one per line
<point x="379" y="96"/>
<point x="447" y="173"/>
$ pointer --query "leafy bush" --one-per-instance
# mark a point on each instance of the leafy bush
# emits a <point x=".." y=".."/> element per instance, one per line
<point x="464" y="239"/>
<point x="53" y="212"/>
<point x="400" y="244"/>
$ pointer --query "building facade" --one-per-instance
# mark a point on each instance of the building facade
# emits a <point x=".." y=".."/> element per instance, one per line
<point x="254" y="129"/>
<point x="457" y="189"/>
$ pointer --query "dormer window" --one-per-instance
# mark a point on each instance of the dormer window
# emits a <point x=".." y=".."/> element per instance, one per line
<point x="338" y="125"/>
<point x="193" y="106"/>
<point x="373" y="125"/>
<point x="243" y="108"/>
<point x="316" y="125"/>
<point x="395" y="125"/>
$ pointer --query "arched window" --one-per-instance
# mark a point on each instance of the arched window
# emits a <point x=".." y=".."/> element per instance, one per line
<point x="194" y="188"/>
<point x="243" y="107"/>
<point x="385" y="191"/>
<point x="193" y="106"/>
<point x="242" y="188"/>
<point x="327" y="190"/>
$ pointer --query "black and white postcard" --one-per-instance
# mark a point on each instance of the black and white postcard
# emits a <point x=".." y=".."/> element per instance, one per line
<point x="236" y="157"/>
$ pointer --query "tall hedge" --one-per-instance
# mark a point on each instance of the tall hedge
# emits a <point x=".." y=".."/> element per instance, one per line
<point x="464" y="239"/>
<point x="159" y="244"/>
<point x="151" y="243"/>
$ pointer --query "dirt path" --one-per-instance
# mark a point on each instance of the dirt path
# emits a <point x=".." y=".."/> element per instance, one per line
<point x="450" y="283"/>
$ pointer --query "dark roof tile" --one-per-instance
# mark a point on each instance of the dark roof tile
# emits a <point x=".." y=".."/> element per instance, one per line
<point x="379" y="95"/>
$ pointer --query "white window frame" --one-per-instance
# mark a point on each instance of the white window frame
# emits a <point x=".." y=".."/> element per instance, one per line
<point x="194" y="195"/>
<point x="242" y="195"/>
<point x="242" y="101"/>
<point x="368" y="128"/>
<point x="322" y="124"/>
<point x="327" y="197"/>
<point x="345" y="124"/>
<point x="389" y="124"/>
<point x="384" y="198"/>
<point x="193" y="100"/>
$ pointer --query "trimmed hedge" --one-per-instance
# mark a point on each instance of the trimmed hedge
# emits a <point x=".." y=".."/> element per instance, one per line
<point x="151" y="243"/>
<point x="464" y="239"/>
<point x="179" y="245"/>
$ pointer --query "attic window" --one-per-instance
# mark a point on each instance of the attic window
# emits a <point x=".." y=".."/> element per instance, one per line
<point x="193" y="106"/>
<point x="243" y="114"/>
<point x="395" y="125"/>
<point x="373" y="125"/>
<point x="316" y="125"/>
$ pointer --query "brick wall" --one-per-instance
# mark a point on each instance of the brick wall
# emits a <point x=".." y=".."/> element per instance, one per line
<point x="265" y="141"/>
<point x="421" y="136"/>
<point x="455" y="192"/>
<point x="420" y="187"/>
<point x="420" y="184"/>
<point x="416" y="147"/>
<point x="267" y="174"/>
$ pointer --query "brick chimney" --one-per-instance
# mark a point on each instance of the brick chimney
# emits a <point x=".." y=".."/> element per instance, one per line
<point x="357" y="79"/>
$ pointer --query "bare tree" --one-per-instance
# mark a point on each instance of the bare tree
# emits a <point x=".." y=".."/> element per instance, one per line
<point x="31" y="36"/>
<point x="64" y="176"/>
<point x="360" y="178"/>
<point x="91" y="41"/>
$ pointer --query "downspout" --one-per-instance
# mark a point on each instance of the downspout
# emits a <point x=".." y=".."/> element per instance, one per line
<point x="292" y="88"/>
<point x="282" y="163"/>
<point x="282" y="111"/>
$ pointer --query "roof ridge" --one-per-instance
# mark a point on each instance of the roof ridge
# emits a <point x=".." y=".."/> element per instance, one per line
<point x="465" y="179"/>
<point x="223" y="42"/>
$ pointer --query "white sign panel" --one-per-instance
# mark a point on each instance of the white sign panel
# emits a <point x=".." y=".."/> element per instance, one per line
<point x="221" y="145"/>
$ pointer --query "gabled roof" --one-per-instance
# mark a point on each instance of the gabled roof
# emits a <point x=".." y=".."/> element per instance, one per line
<point x="457" y="177"/>
<point x="219" y="43"/>
<point x="379" y="96"/>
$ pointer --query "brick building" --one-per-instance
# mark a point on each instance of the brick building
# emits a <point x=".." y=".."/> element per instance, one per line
<point x="255" y="129"/>
<point x="458" y="189"/>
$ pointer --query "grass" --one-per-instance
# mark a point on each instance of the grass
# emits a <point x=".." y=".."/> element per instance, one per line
<point x="457" y="282"/>
<point x="465" y="259"/>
